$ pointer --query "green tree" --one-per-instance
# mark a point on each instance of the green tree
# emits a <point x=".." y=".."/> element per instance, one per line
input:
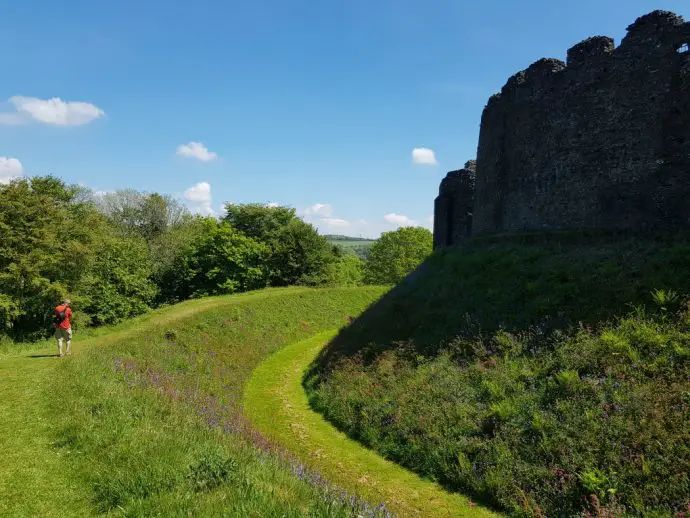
<point x="117" y="284"/>
<point x="219" y="260"/>
<point x="297" y="253"/>
<point x="148" y="215"/>
<point x="168" y="247"/>
<point x="396" y="254"/>
<point x="47" y="241"/>
<point x="346" y="270"/>
<point x="55" y="243"/>
<point x="259" y="221"/>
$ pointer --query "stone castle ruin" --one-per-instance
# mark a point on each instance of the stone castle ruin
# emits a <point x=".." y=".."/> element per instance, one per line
<point x="599" y="142"/>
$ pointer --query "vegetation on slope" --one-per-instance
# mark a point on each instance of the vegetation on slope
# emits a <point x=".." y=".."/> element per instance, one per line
<point x="529" y="373"/>
<point x="148" y="421"/>
<point x="276" y="403"/>
<point x="120" y="254"/>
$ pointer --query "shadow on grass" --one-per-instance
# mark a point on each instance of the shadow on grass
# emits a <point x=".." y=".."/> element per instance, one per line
<point x="533" y="283"/>
<point x="43" y="356"/>
<point x="528" y="282"/>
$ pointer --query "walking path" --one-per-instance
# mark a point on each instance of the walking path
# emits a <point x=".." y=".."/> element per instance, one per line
<point x="276" y="403"/>
<point x="34" y="479"/>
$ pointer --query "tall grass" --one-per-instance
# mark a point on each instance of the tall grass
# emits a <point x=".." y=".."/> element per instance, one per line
<point x="524" y="374"/>
<point x="151" y="418"/>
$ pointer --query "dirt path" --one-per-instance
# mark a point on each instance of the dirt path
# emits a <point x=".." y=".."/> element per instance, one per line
<point x="276" y="403"/>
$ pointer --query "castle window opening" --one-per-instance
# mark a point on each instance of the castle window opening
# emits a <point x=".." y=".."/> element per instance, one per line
<point x="685" y="47"/>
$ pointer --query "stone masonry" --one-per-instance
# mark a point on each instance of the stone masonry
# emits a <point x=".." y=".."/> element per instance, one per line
<point x="456" y="203"/>
<point x="602" y="141"/>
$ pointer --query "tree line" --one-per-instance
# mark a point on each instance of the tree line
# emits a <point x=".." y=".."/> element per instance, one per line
<point x="120" y="254"/>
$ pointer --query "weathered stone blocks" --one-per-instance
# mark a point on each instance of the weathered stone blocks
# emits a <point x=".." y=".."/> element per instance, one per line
<point x="600" y="142"/>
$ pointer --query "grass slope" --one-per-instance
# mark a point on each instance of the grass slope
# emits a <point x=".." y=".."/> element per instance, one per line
<point x="146" y="418"/>
<point x="539" y="282"/>
<point x="34" y="479"/>
<point x="517" y="371"/>
<point x="277" y="404"/>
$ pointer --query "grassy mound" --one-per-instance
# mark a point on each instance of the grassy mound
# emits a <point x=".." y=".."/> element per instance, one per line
<point x="149" y="418"/>
<point x="277" y="404"/>
<point x="528" y="373"/>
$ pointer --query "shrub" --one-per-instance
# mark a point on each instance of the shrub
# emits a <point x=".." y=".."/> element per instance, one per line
<point x="591" y="420"/>
<point x="212" y="469"/>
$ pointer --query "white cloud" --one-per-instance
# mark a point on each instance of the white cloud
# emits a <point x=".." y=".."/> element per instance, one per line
<point x="350" y="227"/>
<point x="336" y="222"/>
<point x="10" y="168"/>
<point x="325" y="218"/>
<point x="196" y="150"/>
<point x="272" y="204"/>
<point x="53" y="111"/>
<point x="424" y="156"/>
<point x="200" y="196"/>
<point x="399" y="220"/>
<point x="323" y="210"/>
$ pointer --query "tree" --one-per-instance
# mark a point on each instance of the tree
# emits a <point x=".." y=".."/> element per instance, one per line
<point x="297" y="253"/>
<point x="261" y="222"/>
<point x="56" y="243"/>
<point x="170" y="246"/>
<point x="395" y="254"/>
<point x="220" y="260"/>
<point x="117" y="284"/>
<point x="346" y="270"/>
<point x="42" y="251"/>
<point x="148" y="215"/>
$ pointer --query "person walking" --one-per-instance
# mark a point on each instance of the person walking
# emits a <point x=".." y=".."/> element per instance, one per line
<point x="63" y="326"/>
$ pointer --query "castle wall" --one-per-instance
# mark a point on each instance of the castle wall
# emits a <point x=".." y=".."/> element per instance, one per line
<point x="602" y="141"/>
<point x="453" y="207"/>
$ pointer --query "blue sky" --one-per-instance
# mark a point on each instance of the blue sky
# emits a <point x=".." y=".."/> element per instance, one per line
<point x="313" y="104"/>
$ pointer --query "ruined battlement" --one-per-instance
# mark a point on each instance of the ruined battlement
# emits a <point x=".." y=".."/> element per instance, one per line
<point x="654" y="26"/>
<point x="455" y="200"/>
<point x="601" y="140"/>
<point x="589" y="50"/>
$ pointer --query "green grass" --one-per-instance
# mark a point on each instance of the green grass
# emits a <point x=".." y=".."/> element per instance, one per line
<point x="35" y="480"/>
<point x="544" y="283"/>
<point x="277" y="404"/>
<point x="514" y="370"/>
<point x="146" y="418"/>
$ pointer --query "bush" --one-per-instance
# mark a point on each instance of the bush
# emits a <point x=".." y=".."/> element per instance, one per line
<point x="212" y="469"/>
<point x="534" y="433"/>
<point x="547" y="377"/>
<point x="347" y="270"/>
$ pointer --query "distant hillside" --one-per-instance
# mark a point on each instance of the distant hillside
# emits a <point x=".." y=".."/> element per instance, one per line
<point x="358" y="246"/>
<point x="337" y="237"/>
